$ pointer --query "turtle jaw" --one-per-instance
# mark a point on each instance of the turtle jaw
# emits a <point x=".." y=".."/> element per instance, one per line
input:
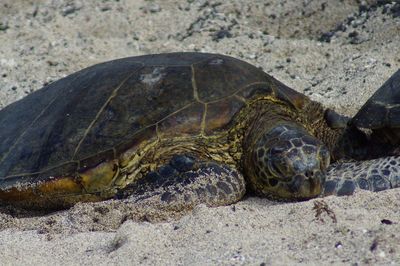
<point x="299" y="187"/>
<point x="303" y="188"/>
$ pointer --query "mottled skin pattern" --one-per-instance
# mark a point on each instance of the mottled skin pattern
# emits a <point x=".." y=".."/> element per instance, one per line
<point x="176" y="129"/>
<point x="376" y="175"/>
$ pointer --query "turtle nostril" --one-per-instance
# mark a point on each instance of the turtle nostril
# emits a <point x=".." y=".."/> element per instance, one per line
<point x="309" y="174"/>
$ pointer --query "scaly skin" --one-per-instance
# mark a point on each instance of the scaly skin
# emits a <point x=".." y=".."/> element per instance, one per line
<point x="344" y="178"/>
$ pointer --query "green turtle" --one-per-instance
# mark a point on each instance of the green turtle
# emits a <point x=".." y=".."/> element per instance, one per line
<point x="177" y="127"/>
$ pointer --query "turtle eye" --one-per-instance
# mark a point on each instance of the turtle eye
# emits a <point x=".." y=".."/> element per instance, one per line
<point x="274" y="167"/>
<point x="275" y="151"/>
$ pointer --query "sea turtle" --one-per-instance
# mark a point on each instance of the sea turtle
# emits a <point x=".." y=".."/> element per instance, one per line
<point x="177" y="127"/>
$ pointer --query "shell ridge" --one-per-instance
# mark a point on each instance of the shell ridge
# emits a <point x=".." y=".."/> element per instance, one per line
<point x="154" y="124"/>
<point x="103" y="107"/>
<point x="194" y="85"/>
<point x="238" y="90"/>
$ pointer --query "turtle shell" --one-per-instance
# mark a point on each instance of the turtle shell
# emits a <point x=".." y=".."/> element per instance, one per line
<point x="382" y="111"/>
<point x="96" y="114"/>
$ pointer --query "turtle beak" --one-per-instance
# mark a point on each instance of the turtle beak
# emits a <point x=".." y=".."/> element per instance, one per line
<point x="307" y="185"/>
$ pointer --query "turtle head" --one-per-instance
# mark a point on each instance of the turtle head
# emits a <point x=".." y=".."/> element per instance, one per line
<point x="288" y="163"/>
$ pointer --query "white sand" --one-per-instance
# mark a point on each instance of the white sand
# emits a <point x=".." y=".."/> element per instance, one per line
<point x="50" y="39"/>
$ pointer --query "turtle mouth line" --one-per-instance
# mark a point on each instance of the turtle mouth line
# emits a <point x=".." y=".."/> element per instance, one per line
<point x="304" y="186"/>
<point x="305" y="189"/>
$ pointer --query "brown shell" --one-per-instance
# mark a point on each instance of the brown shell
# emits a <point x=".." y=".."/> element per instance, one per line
<point x="97" y="113"/>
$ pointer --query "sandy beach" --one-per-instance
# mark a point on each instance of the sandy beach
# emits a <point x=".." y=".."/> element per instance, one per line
<point x="335" y="52"/>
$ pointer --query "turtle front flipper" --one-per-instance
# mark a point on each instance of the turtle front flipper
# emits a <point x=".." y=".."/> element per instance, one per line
<point x="344" y="178"/>
<point x="185" y="182"/>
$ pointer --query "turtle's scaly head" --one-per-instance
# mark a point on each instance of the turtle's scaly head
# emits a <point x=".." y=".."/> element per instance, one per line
<point x="288" y="163"/>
